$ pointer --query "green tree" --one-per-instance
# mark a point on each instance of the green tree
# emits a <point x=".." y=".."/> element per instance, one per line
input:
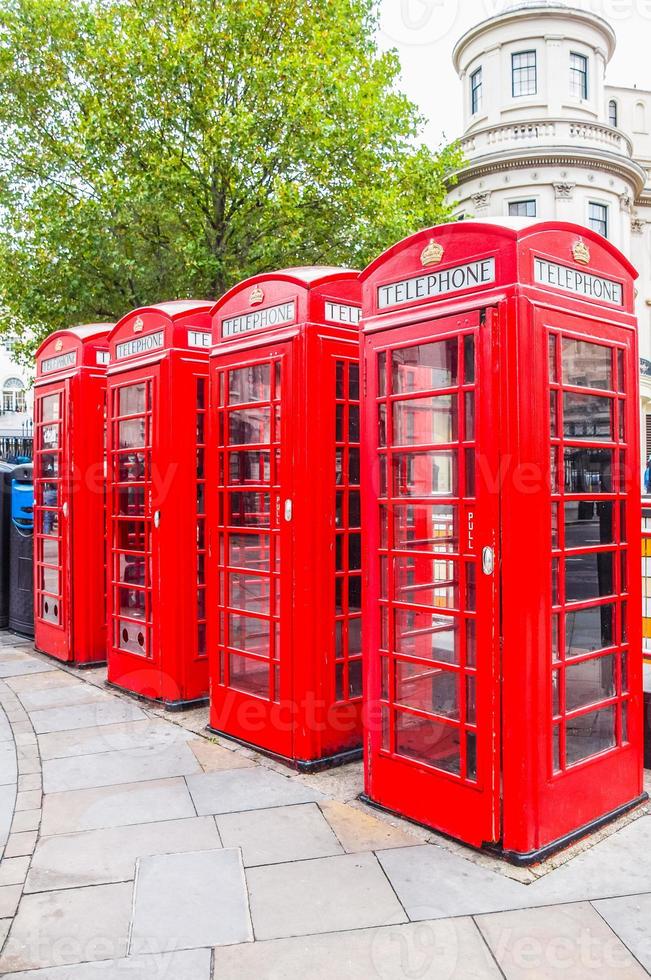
<point x="152" y="149"/>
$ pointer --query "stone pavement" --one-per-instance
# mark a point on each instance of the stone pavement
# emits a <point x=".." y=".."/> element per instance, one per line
<point x="136" y="848"/>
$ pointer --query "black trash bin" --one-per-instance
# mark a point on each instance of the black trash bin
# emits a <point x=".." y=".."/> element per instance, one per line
<point x="21" y="551"/>
<point x="6" y="470"/>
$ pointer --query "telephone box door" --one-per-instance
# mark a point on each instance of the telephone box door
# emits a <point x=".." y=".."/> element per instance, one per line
<point x="253" y="699"/>
<point x="431" y="506"/>
<point x="52" y="503"/>
<point x="133" y="568"/>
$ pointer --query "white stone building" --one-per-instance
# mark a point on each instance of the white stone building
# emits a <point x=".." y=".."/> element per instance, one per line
<point x="16" y="400"/>
<point x="545" y="136"/>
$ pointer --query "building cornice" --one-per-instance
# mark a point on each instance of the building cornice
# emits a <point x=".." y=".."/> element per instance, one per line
<point x="529" y="13"/>
<point x="562" y="156"/>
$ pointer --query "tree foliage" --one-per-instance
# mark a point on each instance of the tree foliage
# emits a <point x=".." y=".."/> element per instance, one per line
<point x="152" y="149"/>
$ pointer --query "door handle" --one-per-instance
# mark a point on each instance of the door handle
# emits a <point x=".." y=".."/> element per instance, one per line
<point x="65" y="508"/>
<point x="156" y="518"/>
<point x="488" y="561"/>
<point x="288" y="510"/>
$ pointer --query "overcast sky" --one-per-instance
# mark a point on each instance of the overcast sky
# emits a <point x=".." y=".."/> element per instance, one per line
<point x="425" y="32"/>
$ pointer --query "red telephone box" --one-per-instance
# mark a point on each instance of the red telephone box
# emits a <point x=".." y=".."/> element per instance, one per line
<point x="69" y="497"/>
<point x="157" y="399"/>
<point x="502" y="533"/>
<point x="285" y="573"/>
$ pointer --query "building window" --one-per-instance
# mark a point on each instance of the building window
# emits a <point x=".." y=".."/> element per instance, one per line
<point x="522" y="209"/>
<point x="639" y="124"/>
<point x="579" y="76"/>
<point x="13" y="396"/>
<point x="613" y="115"/>
<point x="476" y="91"/>
<point x="598" y="218"/>
<point x="524" y="73"/>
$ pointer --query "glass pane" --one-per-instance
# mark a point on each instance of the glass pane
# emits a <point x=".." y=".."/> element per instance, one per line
<point x="425" y="527"/>
<point x="249" y="466"/>
<point x="50" y="464"/>
<point x="551" y="341"/>
<point x="50" y="408"/>
<point x="132" y="400"/>
<point x="250" y="676"/>
<point x="588" y="470"/>
<point x="469" y="359"/>
<point x="425" y="474"/>
<point x="50" y="437"/>
<point x="429" y="741"/>
<point x="50" y="522"/>
<point x="425" y="421"/>
<point x="251" y="635"/>
<point x="131" y="569"/>
<point x="353" y="381"/>
<point x="131" y="467"/>
<point x="131" y="434"/>
<point x="425" y="581"/>
<point x="249" y="592"/>
<point x="249" y="384"/>
<point x="250" y="509"/>
<point x="470" y="416"/>
<point x="587" y="416"/>
<point x="589" y="734"/>
<point x="50" y="548"/>
<point x="381" y="373"/>
<point x="588" y="522"/>
<point x="588" y="577"/>
<point x="587" y="365"/>
<point x="425" y="367"/>
<point x="50" y="580"/>
<point x="249" y="551"/>
<point x="130" y="535"/>
<point x="589" y="682"/>
<point x="249" y="425"/>
<point x="427" y="689"/>
<point x="587" y="630"/>
<point x="354" y="637"/>
<point x="428" y="636"/>
<point x="131" y="602"/>
<point x="131" y="501"/>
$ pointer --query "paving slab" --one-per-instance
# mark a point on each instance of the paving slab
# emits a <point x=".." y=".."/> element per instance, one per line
<point x="284" y="833"/>
<point x="20" y="844"/>
<point x="25" y="820"/>
<point x="56" y="696"/>
<point x="128" y="737"/>
<point x="185" y="901"/>
<point x="449" y="949"/>
<point x="108" y="768"/>
<point x="215" y="758"/>
<point x="8" y="764"/>
<point x="246" y="789"/>
<point x="115" y="806"/>
<point x="618" y="865"/>
<point x="73" y="926"/>
<point x="559" y="942"/>
<point x="325" y="895"/>
<point x="96" y="857"/>
<point x="7" y="801"/>
<point x="9" y="899"/>
<point x="108" y="712"/>
<point x="191" y="964"/>
<point x="358" y="830"/>
<point x="13" y="870"/>
<point x="34" y="682"/>
<point x="23" y="665"/>
<point x="434" y="883"/>
<point x="630" y="919"/>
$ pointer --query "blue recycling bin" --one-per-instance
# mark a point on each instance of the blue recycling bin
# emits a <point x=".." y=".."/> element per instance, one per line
<point x="21" y="551"/>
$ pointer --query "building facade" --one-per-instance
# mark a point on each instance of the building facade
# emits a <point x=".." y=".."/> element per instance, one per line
<point x="546" y="137"/>
<point x="16" y="404"/>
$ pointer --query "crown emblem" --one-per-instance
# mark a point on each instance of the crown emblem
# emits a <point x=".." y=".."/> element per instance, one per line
<point x="432" y="253"/>
<point x="59" y="345"/>
<point x="256" y="296"/>
<point x="138" y="324"/>
<point x="581" y="253"/>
